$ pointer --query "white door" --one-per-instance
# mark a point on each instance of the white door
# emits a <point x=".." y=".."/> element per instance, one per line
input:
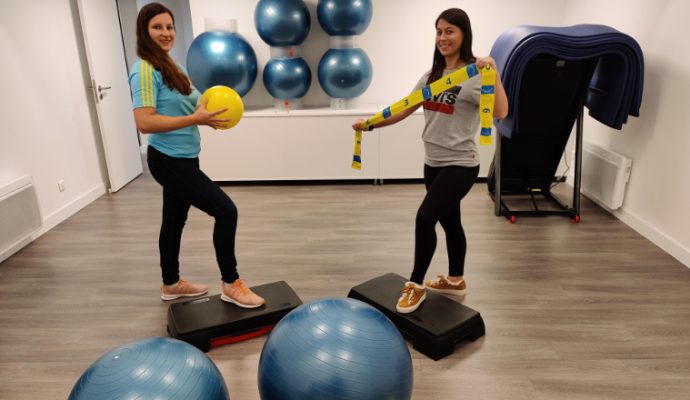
<point x="108" y="69"/>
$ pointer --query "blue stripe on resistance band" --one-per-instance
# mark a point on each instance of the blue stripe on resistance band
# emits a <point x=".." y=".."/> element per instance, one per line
<point x="386" y="112"/>
<point x="426" y="92"/>
<point x="472" y="70"/>
<point x="488" y="89"/>
<point x="486" y="132"/>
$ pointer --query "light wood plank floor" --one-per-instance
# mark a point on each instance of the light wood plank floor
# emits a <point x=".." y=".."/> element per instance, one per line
<point x="573" y="311"/>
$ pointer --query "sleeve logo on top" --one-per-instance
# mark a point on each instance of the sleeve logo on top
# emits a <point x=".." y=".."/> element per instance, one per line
<point x="147" y="92"/>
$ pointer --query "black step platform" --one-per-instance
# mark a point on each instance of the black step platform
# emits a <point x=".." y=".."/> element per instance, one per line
<point x="208" y="322"/>
<point x="434" y="328"/>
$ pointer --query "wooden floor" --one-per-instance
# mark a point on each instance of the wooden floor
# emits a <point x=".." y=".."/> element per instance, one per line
<point x="572" y="311"/>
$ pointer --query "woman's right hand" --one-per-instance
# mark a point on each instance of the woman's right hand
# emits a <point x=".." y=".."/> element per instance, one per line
<point x="204" y="117"/>
<point x="359" y="125"/>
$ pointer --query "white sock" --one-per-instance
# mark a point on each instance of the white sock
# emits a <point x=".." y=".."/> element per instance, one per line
<point x="454" y="283"/>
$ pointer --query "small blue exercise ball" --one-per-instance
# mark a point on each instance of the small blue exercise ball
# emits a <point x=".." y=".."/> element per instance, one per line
<point x="336" y="349"/>
<point x="344" y="17"/>
<point x="345" y="73"/>
<point x="287" y="78"/>
<point x="282" y="23"/>
<point x="222" y="58"/>
<point x="153" y="368"/>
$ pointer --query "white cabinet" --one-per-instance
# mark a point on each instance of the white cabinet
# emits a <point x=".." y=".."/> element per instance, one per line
<point x="314" y="144"/>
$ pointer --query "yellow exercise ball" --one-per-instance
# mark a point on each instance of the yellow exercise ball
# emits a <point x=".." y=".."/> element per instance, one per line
<point x="220" y="97"/>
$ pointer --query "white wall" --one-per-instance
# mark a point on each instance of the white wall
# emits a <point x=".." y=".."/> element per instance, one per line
<point x="399" y="41"/>
<point x="47" y="129"/>
<point x="658" y="194"/>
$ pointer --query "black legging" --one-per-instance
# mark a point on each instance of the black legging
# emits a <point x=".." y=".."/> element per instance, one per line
<point x="185" y="185"/>
<point x="445" y="187"/>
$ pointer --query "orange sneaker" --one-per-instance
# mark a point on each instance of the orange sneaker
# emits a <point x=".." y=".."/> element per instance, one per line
<point x="183" y="288"/>
<point x="443" y="285"/>
<point x="412" y="296"/>
<point x="239" y="294"/>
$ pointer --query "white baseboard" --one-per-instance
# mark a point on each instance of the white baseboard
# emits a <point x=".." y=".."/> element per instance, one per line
<point x="7" y="253"/>
<point x="655" y="236"/>
<point x="70" y="209"/>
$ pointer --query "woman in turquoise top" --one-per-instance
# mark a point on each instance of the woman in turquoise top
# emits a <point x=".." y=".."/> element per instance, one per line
<point x="165" y="108"/>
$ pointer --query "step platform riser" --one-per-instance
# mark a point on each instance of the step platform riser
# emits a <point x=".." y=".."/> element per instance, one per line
<point x="435" y="328"/>
<point x="208" y="322"/>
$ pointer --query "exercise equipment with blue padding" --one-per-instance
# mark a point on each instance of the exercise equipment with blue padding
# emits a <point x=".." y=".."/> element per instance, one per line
<point x="153" y="368"/>
<point x="210" y="322"/>
<point x="336" y="349"/>
<point x="222" y="58"/>
<point x="344" y="17"/>
<point x="345" y="73"/>
<point x="550" y="74"/>
<point x="287" y="78"/>
<point x="435" y="328"/>
<point x="282" y="23"/>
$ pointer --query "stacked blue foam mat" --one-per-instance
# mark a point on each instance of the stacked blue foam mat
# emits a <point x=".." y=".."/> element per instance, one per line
<point x="615" y="88"/>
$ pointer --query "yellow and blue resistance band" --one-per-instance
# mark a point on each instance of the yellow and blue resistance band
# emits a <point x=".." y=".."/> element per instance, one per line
<point x="486" y="104"/>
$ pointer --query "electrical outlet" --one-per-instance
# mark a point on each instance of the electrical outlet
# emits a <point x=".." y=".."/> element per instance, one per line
<point x="61" y="185"/>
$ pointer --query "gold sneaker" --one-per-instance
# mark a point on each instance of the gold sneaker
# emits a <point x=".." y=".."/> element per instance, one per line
<point x="412" y="296"/>
<point x="239" y="294"/>
<point x="183" y="288"/>
<point x="442" y="285"/>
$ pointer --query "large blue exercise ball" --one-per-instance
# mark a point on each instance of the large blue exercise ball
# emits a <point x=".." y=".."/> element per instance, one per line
<point x="222" y="58"/>
<point x="344" y="17"/>
<point x="282" y="23"/>
<point x="336" y="349"/>
<point x="287" y="78"/>
<point x="345" y="73"/>
<point x="153" y="368"/>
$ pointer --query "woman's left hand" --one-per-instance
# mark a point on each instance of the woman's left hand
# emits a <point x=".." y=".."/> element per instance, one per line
<point x="484" y="61"/>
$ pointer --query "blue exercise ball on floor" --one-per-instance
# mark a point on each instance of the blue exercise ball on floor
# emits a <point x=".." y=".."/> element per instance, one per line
<point x="222" y="58"/>
<point x="345" y="73"/>
<point x="287" y="78"/>
<point x="282" y="23"/>
<point x="336" y="349"/>
<point x="153" y="368"/>
<point x="344" y="17"/>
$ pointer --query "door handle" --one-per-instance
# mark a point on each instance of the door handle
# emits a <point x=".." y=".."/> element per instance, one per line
<point x="101" y="89"/>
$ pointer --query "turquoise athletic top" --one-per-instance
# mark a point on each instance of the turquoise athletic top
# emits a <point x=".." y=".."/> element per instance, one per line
<point x="148" y="90"/>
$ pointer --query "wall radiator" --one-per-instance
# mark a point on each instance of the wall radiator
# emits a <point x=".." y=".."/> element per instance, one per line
<point x="604" y="175"/>
<point x="20" y="216"/>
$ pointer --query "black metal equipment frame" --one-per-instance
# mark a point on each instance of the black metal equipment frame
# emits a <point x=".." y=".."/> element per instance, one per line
<point x="500" y="207"/>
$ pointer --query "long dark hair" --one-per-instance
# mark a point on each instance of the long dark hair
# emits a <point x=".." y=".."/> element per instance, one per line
<point x="459" y="18"/>
<point x="151" y="52"/>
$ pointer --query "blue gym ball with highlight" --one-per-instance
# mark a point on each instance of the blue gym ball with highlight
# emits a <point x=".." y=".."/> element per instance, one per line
<point x="222" y="58"/>
<point x="153" y="368"/>
<point x="344" y="17"/>
<point x="345" y="73"/>
<point x="282" y="23"/>
<point x="287" y="78"/>
<point x="336" y="349"/>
